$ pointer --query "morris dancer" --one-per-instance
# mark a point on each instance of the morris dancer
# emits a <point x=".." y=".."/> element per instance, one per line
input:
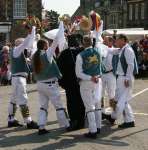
<point x="88" y="70"/>
<point x="19" y="71"/>
<point x="108" y="77"/>
<point x="47" y="75"/>
<point x="125" y="68"/>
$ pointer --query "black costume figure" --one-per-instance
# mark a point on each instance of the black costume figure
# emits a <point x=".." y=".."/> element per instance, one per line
<point x="66" y="64"/>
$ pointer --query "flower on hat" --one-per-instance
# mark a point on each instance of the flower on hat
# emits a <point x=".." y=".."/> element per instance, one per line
<point x="96" y="20"/>
<point x="31" y="21"/>
<point x="85" y="24"/>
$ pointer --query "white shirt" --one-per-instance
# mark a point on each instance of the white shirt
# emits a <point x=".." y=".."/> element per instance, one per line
<point x="27" y="43"/>
<point x="107" y="62"/>
<point x="79" y="69"/>
<point x="129" y="56"/>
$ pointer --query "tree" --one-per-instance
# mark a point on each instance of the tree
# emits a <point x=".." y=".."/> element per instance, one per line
<point x="104" y="2"/>
<point x="52" y="17"/>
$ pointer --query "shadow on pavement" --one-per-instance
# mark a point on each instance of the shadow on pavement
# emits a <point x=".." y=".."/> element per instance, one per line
<point x="5" y="130"/>
<point x="64" y="139"/>
<point x="121" y="137"/>
<point x="67" y="140"/>
<point x="7" y="141"/>
<point x="77" y="139"/>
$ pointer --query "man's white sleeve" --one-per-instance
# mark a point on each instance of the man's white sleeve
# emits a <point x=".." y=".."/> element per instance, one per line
<point x="27" y="43"/>
<point x="79" y="70"/>
<point x="56" y="41"/>
<point x="129" y="56"/>
<point x="114" y="51"/>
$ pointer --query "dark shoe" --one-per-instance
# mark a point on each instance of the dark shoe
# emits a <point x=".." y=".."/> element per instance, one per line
<point x="98" y="130"/>
<point x="91" y="135"/>
<point x="110" y="119"/>
<point x="42" y="131"/>
<point x="32" y="125"/>
<point x="103" y="116"/>
<point x="74" y="128"/>
<point x="80" y="127"/>
<point x="14" y="123"/>
<point x="127" y="125"/>
<point x="70" y="128"/>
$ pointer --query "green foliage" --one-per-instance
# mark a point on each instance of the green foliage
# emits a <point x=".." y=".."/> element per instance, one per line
<point x="52" y="17"/>
<point x="104" y="2"/>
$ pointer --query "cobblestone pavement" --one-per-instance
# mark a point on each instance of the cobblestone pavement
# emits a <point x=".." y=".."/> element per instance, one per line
<point x="111" y="138"/>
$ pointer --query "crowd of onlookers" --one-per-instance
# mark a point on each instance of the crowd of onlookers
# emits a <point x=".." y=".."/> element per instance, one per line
<point x="5" y="73"/>
<point x="141" y="52"/>
<point x="140" y="48"/>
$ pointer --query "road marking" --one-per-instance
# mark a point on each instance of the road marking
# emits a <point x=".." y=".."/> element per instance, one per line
<point x="108" y="110"/>
<point x="142" y="114"/>
<point x="134" y="95"/>
<point x="144" y="90"/>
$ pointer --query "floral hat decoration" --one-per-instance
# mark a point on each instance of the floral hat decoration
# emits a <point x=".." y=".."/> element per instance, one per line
<point x="32" y="21"/>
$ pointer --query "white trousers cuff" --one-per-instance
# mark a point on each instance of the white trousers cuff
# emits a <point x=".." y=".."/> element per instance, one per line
<point x="62" y="118"/>
<point x="92" y="122"/>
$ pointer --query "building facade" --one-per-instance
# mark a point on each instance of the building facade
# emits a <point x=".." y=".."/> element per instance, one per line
<point x="12" y="14"/>
<point x="113" y="12"/>
<point x="137" y="14"/>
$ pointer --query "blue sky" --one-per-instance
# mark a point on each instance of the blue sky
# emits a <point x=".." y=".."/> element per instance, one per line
<point x="62" y="6"/>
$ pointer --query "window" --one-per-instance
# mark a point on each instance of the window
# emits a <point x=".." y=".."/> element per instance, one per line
<point x="113" y="19"/>
<point x="142" y="11"/>
<point x="136" y="12"/>
<point x="19" y="9"/>
<point x="97" y="4"/>
<point x="130" y="12"/>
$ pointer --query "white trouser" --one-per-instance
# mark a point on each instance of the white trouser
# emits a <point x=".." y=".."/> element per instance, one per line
<point x="123" y="95"/>
<point x="50" y="92"/>
<point x="109" y="85"/>
<point x="91" y="96"/>
<point x="19" y="94"/>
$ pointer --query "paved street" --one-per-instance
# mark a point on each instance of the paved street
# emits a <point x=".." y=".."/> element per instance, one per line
<point x="111" y="138"/>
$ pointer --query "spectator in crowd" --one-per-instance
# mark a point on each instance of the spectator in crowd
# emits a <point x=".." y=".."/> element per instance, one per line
<point x="5" y="74"/>
<point x="144" y="44"/>
<point x="135" y="47"/>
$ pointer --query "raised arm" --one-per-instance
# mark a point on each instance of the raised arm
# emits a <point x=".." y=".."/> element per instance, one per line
<point x="114" y="51"/>
<point x="56" y="41"/>
<point x="99" y="32"/>
<point x="25" y="44"/>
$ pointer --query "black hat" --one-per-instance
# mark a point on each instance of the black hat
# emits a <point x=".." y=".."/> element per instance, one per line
<point x="73" y="40"/>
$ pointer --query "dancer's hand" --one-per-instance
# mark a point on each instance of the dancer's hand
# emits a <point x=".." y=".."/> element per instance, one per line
<point x="95" y="79"/>
<point x="126" y="83"/>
